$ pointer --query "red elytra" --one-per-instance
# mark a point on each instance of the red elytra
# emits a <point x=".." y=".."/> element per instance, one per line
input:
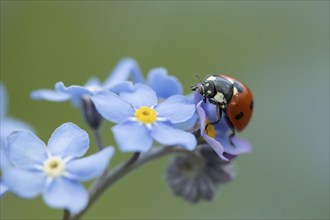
<point x="240" y="106"/>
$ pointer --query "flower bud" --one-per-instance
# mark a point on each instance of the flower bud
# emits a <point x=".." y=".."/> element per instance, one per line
<point x="92" y="117"/>
<point x="198" y="180"/>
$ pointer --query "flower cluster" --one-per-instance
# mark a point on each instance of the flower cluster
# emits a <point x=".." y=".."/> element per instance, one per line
<point x="146" y="114"/>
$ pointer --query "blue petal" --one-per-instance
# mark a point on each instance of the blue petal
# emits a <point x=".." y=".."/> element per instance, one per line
<point x="189" y="124"/>
<point x="112" y="107"/>
<point x="241" y="146"/>
<point x="50" y="95"/>
<point x="132" y="137"/>
<point x="8" y="125"/>
<point x="222" y="128"/>
<point x="93" y="82"/>
<point x="89" y="167"/>
<point x="126" y="86"/>
<point x="210" y="111"/>
<point x="177" y="109"/>
<point x="216" y="146"/>
<point x="25" y="149"/>
<point x="68" y="140"/>
<point x="3" y="101"/>
<point x="167" y="135"/>
<point x="142" y="96"/>
<point x="75" y="91"/>
<point x="3" y="188"/>
<point x="66" y="194"/>
<point x="24" y="183"/>
<point x="197" y="96"/>
<point x="125" y="69"/>
<point x="163" y="84"/>
<point x="4" y="162"/>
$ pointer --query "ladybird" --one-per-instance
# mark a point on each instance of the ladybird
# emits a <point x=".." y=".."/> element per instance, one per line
<point x="231" y="97"/>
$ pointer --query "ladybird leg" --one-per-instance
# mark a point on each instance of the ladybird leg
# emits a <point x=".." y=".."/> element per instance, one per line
<point x="194" y="87"/>
<point x="231" y="126"/>
<point x="196" y="132"/>
<point x="231" y="138"/>
<point x="213" y="102"/>
<point x="219" y="115"/>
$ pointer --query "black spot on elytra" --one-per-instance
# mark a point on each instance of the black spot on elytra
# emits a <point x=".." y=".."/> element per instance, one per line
<point x="251" y="104"/>
<point x="239" y="116"/>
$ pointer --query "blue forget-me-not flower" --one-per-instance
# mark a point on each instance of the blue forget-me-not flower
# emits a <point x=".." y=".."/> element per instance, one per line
<point x="54" y="171"/>
<point x="140" y="119"/>
<point x="218" y="136"/>
<point x="165" y="85"/>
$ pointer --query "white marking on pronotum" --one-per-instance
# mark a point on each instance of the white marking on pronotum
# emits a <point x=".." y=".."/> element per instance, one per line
<point x="235" y="90"/>
<point x="209" y="91"/>
<point x="207" y="84"/>
<point x="220" y="97"/>
<point x="230" y="80"/>
<point x="211" y="78"/>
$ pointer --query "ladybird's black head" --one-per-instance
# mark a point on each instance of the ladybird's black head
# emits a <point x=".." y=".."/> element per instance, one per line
<point x="209" y="90"/>
<point x="204" y="89"/>
<point x="194" y="87"/>
<point x="199" y="88"/>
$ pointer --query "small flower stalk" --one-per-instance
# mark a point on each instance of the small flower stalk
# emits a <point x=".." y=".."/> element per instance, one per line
<point x="150" y="117"/>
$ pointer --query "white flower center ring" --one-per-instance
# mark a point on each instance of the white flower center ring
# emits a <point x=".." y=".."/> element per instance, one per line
<point x="54" y="167"/>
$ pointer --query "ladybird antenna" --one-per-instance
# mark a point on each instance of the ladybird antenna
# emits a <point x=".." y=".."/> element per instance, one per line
<point x="199" y="79"/>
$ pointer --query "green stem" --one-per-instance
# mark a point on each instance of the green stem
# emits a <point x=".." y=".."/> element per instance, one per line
<point x="66" y="215"/>
<point x="98" y="138"/>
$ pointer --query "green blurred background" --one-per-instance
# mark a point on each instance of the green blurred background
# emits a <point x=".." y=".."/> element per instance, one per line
<point x="280" y="49"/>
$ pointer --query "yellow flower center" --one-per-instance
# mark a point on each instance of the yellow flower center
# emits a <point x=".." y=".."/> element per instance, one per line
<point x="210" y="129"/>
<point x="54" y="167"/>
<point x="146" y="115"/>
